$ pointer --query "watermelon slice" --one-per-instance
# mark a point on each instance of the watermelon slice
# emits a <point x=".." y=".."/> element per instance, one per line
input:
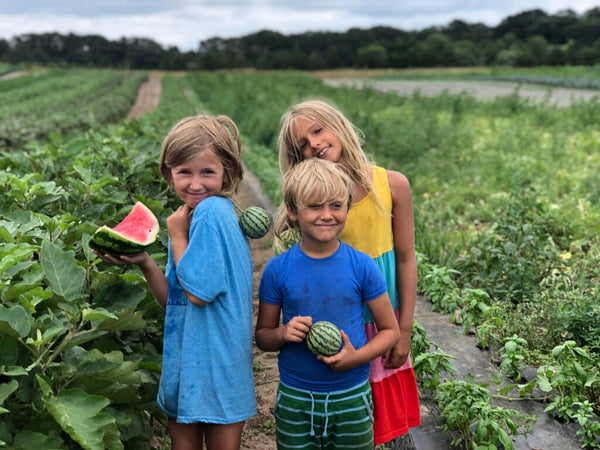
<point x="133" y="235"/>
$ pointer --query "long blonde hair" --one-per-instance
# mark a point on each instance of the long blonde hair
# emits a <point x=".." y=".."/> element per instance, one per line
<point x="309" y="180"/>
<point x="353" y="158"/>
<point x="195" y="134"/>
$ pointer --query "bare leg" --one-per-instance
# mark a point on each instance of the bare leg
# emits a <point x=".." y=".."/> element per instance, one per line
<point x="224" y="437"/>
<point x="186" y="436"/>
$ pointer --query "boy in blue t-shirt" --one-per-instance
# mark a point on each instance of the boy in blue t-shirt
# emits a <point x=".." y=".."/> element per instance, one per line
<point x="322" y="400"/>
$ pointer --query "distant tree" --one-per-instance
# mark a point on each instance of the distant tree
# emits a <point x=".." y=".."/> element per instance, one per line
<point x="4" y="48"/>
<point x="520" y="24"/>
<point x="467" y="53"/>
<point x="553" y="28"/>
<point x="372" y="56"/>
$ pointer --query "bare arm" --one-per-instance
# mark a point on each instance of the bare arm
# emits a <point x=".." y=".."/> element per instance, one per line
<point x="387" y="336"/>
<point x="178" y="225"/>
<point x="269" y="336"/>
<point x="406" y="263"/>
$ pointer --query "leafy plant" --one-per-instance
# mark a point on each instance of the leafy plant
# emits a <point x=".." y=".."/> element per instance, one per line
<point x="513" y="354"/>
<point x="466" y="407"/>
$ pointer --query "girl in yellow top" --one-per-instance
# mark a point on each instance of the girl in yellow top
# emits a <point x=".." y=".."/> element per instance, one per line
<point x="380" y="223"/>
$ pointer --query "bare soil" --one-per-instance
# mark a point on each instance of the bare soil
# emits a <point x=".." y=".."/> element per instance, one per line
<point x="482" y="90"/>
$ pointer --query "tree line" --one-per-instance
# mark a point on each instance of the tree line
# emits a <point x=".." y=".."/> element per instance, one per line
<point x="530" y="38"/>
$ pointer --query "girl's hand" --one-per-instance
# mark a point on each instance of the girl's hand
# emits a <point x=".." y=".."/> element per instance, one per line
<point x="122" y="260"/>
<point x="344" y="359"/>
<point x="297" y="329"/>
<point x="178" y="223"/>
<point x="397" y="357"/>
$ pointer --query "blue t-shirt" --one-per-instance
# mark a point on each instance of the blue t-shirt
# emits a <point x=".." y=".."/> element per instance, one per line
<point x="207" y="351"/>
<point x="335" y="289"/>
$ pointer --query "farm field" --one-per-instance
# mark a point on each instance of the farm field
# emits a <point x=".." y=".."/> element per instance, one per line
<point x="484" y="90"/>
<point x="505" y="194"/>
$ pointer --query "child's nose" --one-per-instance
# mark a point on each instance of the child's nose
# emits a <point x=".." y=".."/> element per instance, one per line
<point x="195" y="183"/>
<point x="326" y="212"/>
<point x="313" y="141"/>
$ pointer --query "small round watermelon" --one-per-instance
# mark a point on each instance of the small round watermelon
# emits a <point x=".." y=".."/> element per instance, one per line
<point x="255" y="222"/>
<point x="288" y="239"/>
<point x="324" y="338"/>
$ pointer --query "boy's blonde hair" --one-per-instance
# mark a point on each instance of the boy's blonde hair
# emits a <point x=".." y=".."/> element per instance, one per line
<point x="312" y="180"/>
<point x="195" y="134"/>
<point x="353" y="158"/>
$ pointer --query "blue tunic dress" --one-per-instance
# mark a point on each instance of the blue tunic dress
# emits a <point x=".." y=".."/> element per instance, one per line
<point x="207" y="351"/>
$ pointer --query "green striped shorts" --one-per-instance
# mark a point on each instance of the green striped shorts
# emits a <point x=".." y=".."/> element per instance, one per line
<point x="324" y="420"/>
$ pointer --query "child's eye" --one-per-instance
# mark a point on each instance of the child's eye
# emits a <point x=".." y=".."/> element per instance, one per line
<point x="337" y="205"/>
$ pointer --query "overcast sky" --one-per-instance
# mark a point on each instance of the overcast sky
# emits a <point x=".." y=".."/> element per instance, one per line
<point x="184" y="23"/>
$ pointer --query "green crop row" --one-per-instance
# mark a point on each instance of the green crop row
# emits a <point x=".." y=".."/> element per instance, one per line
<point x="59" y="101"/>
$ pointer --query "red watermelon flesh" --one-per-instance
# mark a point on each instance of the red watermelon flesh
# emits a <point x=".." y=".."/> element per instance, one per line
<point x="140" y="225"/>
<point x="131" y="236"/>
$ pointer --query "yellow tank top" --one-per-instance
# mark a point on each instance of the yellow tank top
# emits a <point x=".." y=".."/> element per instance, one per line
<point x="367" y="229"/>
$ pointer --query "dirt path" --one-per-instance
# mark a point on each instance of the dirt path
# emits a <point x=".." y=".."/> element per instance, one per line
<point x="479" y="89"/>
<point x="148" y="96"/>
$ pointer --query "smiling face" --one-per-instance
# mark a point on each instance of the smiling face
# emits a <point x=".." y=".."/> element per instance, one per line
<point x="321" y="222"/>
<point x="316" y="141"/>
<point x="198" y="178"/>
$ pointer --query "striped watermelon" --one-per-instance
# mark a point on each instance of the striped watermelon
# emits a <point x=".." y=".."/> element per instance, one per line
<point x="131" y="236"/>
<point x="255" y="222"/>
<point x="324" y="338"/>
<point x="287" y="240"/>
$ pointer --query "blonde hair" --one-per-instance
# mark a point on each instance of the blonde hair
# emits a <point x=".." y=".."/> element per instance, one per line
<point x="312" y="180"/>
<point x="195" y="134"/>
<point x="353" y="158"/>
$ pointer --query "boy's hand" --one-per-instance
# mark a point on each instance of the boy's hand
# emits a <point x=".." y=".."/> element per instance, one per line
<point x="297" y="329"/>
<point x="343" y="360"/>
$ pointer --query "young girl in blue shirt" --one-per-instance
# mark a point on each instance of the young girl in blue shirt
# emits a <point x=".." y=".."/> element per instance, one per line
<point x="207" y="384"/>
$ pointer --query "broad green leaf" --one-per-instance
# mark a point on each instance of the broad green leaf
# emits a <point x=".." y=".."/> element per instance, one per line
<point x="79" y="414"/>
<point x="14" y="371"/>
<point x="11" y="254"/>
<point x="97" y="314"/>
<point x="27" y="440"/>
<point x="7" y="388"/>
<point x="65" y="276"/>
<point x="543" y="383"/>
<point x="510" y="346"/>
<point x="129" y="319"/>
<point x="120" y="296"/>
<point x="15" y="321"/>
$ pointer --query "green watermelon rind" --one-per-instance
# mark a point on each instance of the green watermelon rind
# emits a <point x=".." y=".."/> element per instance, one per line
<point x="114" y="241"/>
<point x="287" y="240"/>
<point x="255" y="222"/>
<point x="107" y="241"/>
<point x="324" y="338"/>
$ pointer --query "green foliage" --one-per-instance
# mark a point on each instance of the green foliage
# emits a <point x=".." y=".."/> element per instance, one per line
<point x="60" y="101"/>
<point x="514" y="354"/>
<point x="81" y="341"/>
<point x="466" y="407"/>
